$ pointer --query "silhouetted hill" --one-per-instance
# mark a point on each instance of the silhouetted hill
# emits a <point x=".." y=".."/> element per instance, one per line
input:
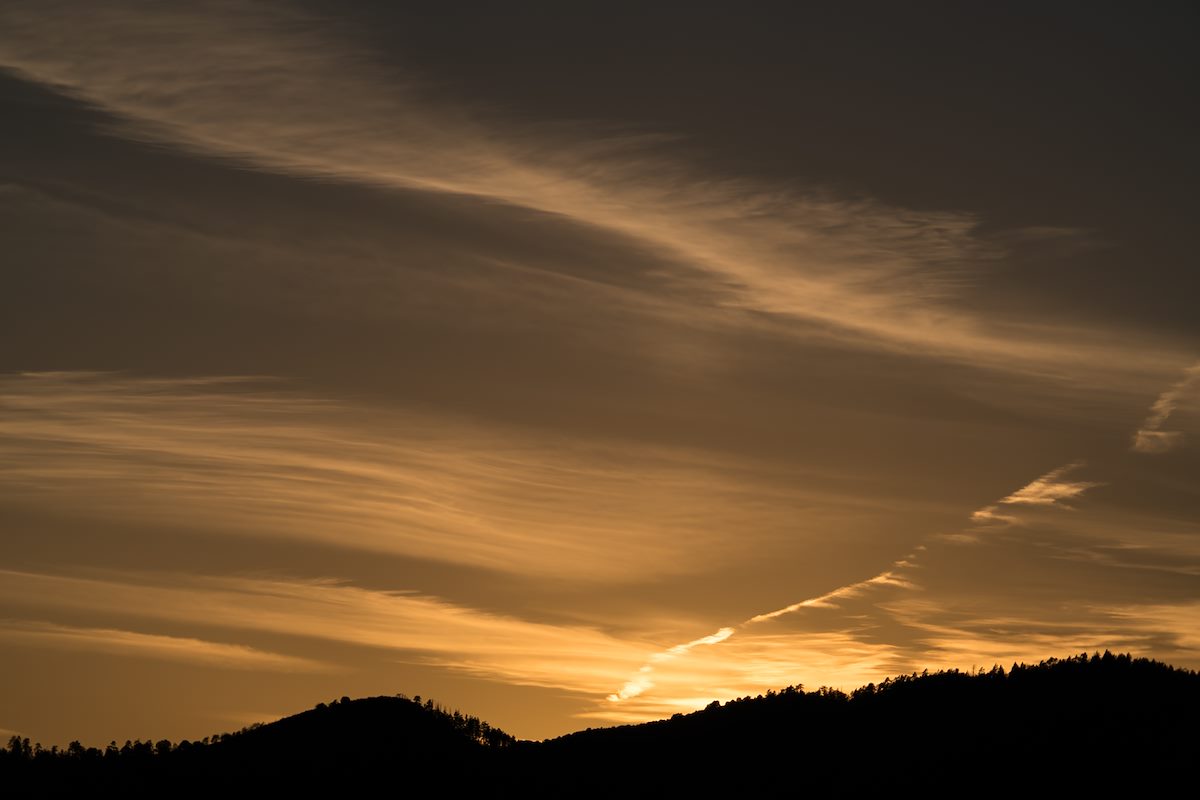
<point x="336" y="745"/>
<point x="1069" y="724"/>
<point x="354" y="737"/>
<point x="1083" y="723"/>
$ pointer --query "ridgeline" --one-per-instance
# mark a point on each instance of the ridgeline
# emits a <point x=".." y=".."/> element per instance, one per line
<point x="1084" y="723"/>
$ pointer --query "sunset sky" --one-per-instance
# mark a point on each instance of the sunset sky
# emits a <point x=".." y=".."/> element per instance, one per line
<point x="579" y="363"/>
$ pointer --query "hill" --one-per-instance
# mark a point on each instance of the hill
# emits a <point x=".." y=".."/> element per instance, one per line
<point x="1082" y="723"/>
<point x="339" y="744"/>
<point x="1079" y="723"/>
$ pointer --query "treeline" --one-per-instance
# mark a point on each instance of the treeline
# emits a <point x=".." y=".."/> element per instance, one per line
<point x="472" y="728"/>
<point x="136" y="750"/>
<point x="1085" y="723"/>
<point x="310" y="748"/>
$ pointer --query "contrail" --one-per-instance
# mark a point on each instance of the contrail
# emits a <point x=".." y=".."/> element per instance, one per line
<point x="1049" y="489"/>
<point x="642" y="681"/>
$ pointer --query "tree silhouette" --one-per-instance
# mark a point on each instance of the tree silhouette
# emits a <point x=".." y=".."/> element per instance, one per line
<point x="1088" y="722"/>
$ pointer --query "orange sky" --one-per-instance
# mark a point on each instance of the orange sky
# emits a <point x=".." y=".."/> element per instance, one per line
<point x="581" y="366"/>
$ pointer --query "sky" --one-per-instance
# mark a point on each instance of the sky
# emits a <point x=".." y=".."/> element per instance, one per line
<point x="576" y="364"/>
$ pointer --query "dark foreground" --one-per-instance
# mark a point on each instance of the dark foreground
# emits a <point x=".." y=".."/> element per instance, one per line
<point x="1080" y="724"/>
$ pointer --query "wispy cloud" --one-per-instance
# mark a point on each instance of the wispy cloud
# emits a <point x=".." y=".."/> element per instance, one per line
<point x="1150" y="438"/>
<point x="248" y="458"/>
<point x="889" y="577"/>
<point x="493" y="646"/>
<point x="156" y="646"/>
<point x="284" y="93"/>
<point x="489" y="645"/>
<point x="1050" y="490"/>
<point x="757" y="660"/>
<point x="643" y="681"/>
<point x="989" y="515"/>
<point x="948" y="637"/>
<point x="277" y="90"/>
<point x="1176" y="623"/>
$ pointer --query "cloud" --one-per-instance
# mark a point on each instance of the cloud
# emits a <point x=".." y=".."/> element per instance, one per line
<point x="1049" y="490"/>
<point x="1150" y="438"/>
<point x="1177" y="623"/>
<point x="989" y="515"/>
<point x="276" y="90"/>
<point x="642" y="681"/>
<point x="156" y="646"/>
<point x="983" y="638"/>
<point x="284" y="92"/>
<point x="949" y="637"/>
<point x="755" y="661"/>
<point x="889" y="577"/>
<point x="946" y="642"/>
<point x="1156" y="441"/>
<point x="246" y="457"/>
<point x="493" y="646"/>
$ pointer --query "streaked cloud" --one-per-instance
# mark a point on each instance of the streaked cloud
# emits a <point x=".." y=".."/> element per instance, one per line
<point x="991" y="515"/>
<point x="1150" y="438"/>
<point x="496" y="646"/>
<point x="576" y="406"/>
<point x="286" y="93"/>
<point x="982" y="641"/>
<point x="950" y="638"/>
<point x="643" y="680"/>
<point x="756" y="661"/>
<point x="155" y="646"/>
<point x="1177" y="623"/>
<point x="947" y="646"/>
<point x="890" y="577"/>
<point x="492" y="646"/>
<point x="246" y="458"/>
<point x="1050" y="490"/>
